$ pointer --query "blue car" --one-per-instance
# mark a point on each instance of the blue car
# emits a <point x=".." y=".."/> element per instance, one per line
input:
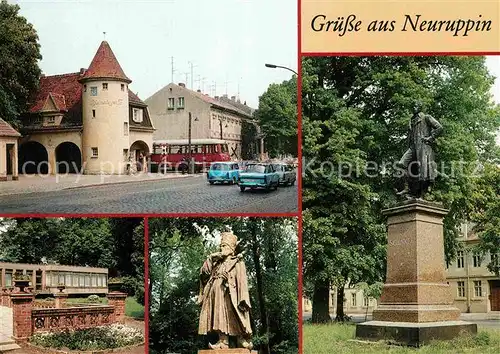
<point x="223" y="172"/>
<point x="259" y="175"/>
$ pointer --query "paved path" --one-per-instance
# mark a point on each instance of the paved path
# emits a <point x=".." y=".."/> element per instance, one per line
<point x="168" y="195"/>
<point x="50" y="183"/>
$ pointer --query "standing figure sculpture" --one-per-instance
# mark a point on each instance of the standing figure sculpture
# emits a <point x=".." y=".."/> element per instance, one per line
<point x="418" y="161"/>
<point x="224" y="297"/>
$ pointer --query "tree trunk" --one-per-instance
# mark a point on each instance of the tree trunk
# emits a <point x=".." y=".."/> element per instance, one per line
<point x="340" y="317"/>
<point x="260" y="291"/>
<point x="320" y="302"/>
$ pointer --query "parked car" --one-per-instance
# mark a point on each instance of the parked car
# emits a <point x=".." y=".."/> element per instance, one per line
<point x="258" y="175"/>
<point x="223" y="172"/>
<point x="286" y="173"/>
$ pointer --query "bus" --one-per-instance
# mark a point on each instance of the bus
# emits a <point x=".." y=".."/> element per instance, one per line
<point x="174" y="154"/>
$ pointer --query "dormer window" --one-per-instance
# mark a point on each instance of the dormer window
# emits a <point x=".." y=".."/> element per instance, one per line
<point x="51" y="119"/>
<point x="105" y="86"/>
<point x="137" y="115"/>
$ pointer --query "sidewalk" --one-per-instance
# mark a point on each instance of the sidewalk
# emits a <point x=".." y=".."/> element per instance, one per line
<point x="50" y="183"/>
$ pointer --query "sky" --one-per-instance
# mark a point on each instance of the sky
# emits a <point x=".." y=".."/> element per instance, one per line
<point x="226" y="40"/>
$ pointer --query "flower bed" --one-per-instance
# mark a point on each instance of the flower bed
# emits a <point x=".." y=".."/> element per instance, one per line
<point x="97" y="338"/>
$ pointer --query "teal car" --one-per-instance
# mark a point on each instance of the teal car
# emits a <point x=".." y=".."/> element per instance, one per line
<point x="223" y="172"/>
<point x="259" y="175"/>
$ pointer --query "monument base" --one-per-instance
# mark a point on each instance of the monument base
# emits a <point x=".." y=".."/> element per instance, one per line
<point x="416" y="313"/>
<point x="227" y="351"/>
<point x="413" y="334"/>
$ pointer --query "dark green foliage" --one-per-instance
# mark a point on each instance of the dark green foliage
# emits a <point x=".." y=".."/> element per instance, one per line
<point x="116" y="244"/>
<point x="178" y="250"/>
<point x="19" y="55"/>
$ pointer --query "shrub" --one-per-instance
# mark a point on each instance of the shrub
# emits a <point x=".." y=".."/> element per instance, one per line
<point x="98" y="338"/>
<point x="93" y="298"/>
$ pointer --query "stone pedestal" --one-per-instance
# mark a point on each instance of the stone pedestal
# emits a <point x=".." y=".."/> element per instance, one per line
<point x="117" y="300"/>
<point x="60" y="300"/>
<point x="415" y="291"/>
<point x="22" y="303"/>
<point x="227" y="351"/>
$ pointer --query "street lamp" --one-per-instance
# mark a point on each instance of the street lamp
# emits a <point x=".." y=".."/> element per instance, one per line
<point x="273" y="66"/>
<point x="190" y="158"/>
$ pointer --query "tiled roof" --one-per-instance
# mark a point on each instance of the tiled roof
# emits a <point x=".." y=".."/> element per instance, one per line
<point x="7" y="130"/>
<point x="64" y="89"/>
<point x="105" y="65"/>
<point x="133" y="99"/>
<point x="219" y="103"/>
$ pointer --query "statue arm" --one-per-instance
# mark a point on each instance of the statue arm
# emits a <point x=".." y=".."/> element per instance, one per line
<point x="437" y="128"/>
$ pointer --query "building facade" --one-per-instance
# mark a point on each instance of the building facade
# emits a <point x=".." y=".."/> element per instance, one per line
<point x="45" y="278"/>
<point x="216" y="117"/>
<point x="88" y="121"/>
<point x="474" y="287"/>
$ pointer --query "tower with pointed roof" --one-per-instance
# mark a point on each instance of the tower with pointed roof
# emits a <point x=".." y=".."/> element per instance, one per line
<point x="105" y="113"/>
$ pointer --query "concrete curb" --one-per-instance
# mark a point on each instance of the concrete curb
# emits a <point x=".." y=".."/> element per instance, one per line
<point x="123" y="182"/>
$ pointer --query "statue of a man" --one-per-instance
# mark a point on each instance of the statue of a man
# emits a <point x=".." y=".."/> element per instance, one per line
<point x="418" y="161"/>
<point x="224" y="297"/>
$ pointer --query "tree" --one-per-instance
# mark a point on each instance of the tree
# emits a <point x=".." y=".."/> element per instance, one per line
<point x="355" y="117"/>
<point x="179" y="247"/>
<point x="277" y="116"/>
<point x="19" y="55"/>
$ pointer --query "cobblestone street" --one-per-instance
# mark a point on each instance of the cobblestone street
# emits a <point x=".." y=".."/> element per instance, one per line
<point x="173" y="195"/>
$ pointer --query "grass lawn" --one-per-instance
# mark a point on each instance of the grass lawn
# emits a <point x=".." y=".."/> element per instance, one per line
<point x="132" y="307"/>
<point x="334" y="338"/>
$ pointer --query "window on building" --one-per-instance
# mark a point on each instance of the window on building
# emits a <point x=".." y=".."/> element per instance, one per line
<point x="93" y="90"/>
<point x="84" y="88"/>
<point x="366" y="301"/>
<point x="123" y="87"/>
<point x="51" y="119"/>
<point x="461" y="288"/>
<point x="332" y="296"/>
<point x="180" y="102"/>
<point x="353" y="299"/>
<point x="171" y="103"/>
<point x="460" y="259"/>
<point x="95" y="152"/>
<point x="137" y="115"/>
<point x="476" y="260"/>
<point x="105" y="86"/>
<point x="478" y="289"/>
<point x="125" y="128"/>
<point x="93" y="113"/>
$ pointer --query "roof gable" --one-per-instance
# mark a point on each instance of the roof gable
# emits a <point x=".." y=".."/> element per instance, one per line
<point x="105" y="65"/>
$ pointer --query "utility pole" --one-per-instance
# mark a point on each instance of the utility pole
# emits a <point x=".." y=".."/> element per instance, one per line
<point x="198" y="81"/>
<point x="226" y="84"/>
<point x="189" y="145"/>
<point x="215" y="88"/>
<point x="186" y="77"/>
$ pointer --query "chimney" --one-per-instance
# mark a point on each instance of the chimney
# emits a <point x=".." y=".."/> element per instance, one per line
<point x="225" y="95"/>
<point x="82" y="71"/>
<point x="245" y="103"/>
<point x="239" y="101"/>
<point x="181" y="84"/>
<point x="199" y="91"/>
<point x="233" y="98"/>
<point x="216" y="97"/>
